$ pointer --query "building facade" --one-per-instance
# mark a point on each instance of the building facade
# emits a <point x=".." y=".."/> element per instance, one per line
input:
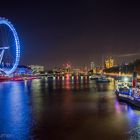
<point x="37" y="68"/>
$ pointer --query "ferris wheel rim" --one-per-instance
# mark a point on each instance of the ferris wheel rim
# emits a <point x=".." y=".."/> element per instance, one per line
<point x="6" y="22"/>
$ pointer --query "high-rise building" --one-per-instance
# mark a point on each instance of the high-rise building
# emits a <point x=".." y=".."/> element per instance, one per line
<point x="92" y="65"/>
<point x="37" y="68"/>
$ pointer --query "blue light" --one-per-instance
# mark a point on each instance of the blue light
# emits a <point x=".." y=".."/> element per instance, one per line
<point x="17" y="44"/>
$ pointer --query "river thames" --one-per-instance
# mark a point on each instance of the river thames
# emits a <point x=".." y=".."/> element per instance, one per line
<point x="65" y="110"/>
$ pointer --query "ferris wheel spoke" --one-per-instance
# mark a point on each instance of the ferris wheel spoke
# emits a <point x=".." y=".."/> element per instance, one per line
<point x="1" y="55"/>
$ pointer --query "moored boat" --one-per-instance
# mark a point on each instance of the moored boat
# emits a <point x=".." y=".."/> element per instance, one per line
<point x="128" y="91"/>
<point x="94" y="77"/>
<point x="102" y="80"/>
<point x="131" y="96"/>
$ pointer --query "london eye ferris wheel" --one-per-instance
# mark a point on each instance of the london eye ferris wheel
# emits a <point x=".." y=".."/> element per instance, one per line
<point x="9" y="47"/>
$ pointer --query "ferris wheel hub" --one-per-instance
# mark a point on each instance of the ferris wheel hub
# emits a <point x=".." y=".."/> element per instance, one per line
<point x="4" y="48"/>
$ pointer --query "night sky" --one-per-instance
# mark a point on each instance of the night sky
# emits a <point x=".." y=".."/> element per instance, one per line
<point x="53" y="33"/>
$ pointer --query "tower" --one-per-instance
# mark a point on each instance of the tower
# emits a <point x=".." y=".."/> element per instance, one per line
<point x="92" y="65"/>
<point x="109" y="62"/>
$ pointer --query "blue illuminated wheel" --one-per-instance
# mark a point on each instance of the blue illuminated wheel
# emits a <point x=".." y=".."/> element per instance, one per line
<point x="9" y="47"/>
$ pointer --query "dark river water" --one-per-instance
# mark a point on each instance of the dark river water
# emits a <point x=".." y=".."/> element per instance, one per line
<point x="65" y="110"/>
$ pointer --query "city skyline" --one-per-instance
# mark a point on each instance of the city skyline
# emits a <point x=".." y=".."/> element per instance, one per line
<point x="70" y="70"/>
<point x="80" y="32"/>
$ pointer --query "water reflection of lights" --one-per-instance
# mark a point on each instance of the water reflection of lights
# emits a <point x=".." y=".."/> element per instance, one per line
<point x="77" y="77"/>
<point x="117" y="107"/>
<point x="86" y="78"/>
<point x="36" y="84"/>
<point x="19" y="99"/>
<point x="67" y="76"/>
<point x="111" y="85"/>
<point x="63" y="78"/>
<point x="134" y="122"/>
<point x="16" y="117"/>
<point x="58" y="78"/>
<point x="72" y="78"/>
<point x="25" y="83"/>
<point x="71" y="82"/>
<point x="67" y="84"/>
<point x="54" y="78"/>
<point x="131" y="116"/>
